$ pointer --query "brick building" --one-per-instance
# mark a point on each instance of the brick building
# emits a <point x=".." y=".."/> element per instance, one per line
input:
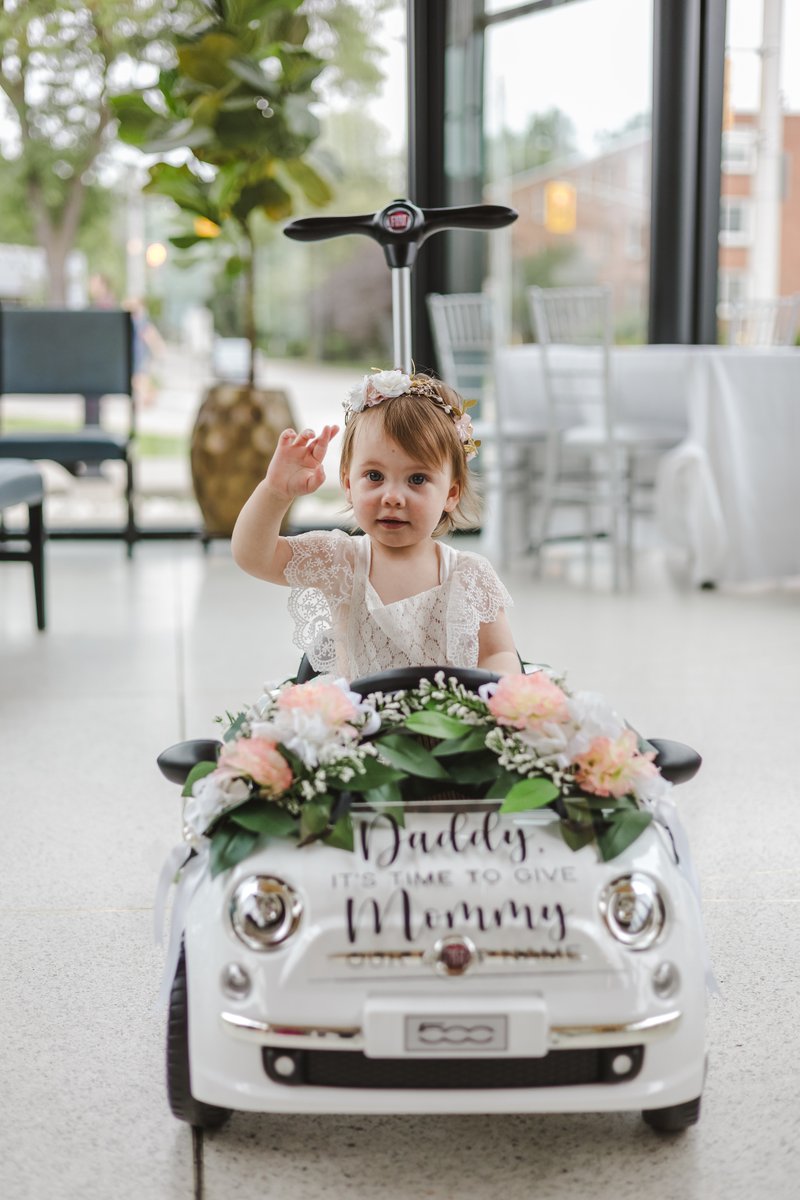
<point x="739" y="147"/>
<point x="598" y="229"/>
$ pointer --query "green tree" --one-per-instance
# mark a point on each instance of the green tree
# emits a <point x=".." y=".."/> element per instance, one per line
<point x="547" y="136"/>
<point x="239" y="97"/>
<point x="59" y="64"/>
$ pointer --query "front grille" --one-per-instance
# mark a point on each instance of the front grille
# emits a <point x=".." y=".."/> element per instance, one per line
<point x="352" y="1069"/>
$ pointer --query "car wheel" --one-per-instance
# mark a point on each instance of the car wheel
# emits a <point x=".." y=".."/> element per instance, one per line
<point x="181" y="1101"/>
<point x="674" y="1119"/>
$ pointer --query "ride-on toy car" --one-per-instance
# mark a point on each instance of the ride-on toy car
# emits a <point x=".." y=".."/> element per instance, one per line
<point x="408" y="895"/>
<point x="460" y="957"/>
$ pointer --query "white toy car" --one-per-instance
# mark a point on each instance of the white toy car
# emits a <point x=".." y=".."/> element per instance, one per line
<point x="464" y="960"/>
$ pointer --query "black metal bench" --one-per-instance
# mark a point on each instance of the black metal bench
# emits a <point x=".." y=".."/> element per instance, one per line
<point x="59" y="352"/>
<point x="21" y="483"/>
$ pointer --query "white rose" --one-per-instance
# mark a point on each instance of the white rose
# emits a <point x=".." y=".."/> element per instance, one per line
<point x="356" y="397"/>
<point x="390" y="383"/>
<point x="592" y="717"/>
<point x="211" y="795"/>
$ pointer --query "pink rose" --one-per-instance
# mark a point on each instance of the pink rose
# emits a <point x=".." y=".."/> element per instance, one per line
<point x="261" y="760"/>
<point x="528" y="702"/>
<point x="326" y="700"/>
<point x="614" y="767"/>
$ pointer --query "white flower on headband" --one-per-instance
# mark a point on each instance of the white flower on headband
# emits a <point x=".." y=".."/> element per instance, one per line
<point x="373" y="388"/>
<point x="464" y="427"/>
<point x="388" y="383"/>
<point x="385" y="385"/>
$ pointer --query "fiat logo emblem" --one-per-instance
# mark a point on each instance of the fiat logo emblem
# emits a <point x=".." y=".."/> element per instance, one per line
<point x="454" y="955"/>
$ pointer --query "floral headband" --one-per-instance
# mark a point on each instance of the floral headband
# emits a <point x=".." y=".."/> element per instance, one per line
<point x="383" y="385"/>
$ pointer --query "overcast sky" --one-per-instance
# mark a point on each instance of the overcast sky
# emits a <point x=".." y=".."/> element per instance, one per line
<point x="593" y="60"/>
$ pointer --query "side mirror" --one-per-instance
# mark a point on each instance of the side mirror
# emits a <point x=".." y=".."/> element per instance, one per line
<point x="677" y="763"/>
<point x="176" y="762"/>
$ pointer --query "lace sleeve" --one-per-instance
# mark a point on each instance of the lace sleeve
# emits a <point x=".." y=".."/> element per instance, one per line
<point x="476" y="598"/>
<point x="320" y="574"/>
<point x="486" y="594"/>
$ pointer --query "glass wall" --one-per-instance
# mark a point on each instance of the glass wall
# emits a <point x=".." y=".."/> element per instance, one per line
<point x="568" y="98"/>
<point x="759" y="238"/>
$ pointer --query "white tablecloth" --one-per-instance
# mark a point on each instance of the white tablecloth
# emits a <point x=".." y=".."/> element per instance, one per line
<point x="649" y="383"/>
<point x="729" y="495"/>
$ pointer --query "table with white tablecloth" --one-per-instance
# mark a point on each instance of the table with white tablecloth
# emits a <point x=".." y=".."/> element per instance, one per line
<point x="648" y="384"/>
<point x="729" y="496"/>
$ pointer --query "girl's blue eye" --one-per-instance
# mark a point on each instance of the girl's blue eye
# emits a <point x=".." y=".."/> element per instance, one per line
<point x="374" y="476"/>
<point x="418" y="479"/>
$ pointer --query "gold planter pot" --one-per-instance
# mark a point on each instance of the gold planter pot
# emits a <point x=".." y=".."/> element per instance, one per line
<point x="234" y="437"/>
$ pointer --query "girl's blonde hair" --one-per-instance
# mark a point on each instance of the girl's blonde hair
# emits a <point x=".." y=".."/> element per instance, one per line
<point x="427" y="433"/>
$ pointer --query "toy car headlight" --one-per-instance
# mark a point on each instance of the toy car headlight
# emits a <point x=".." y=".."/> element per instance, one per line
<point x="633" y="910"/>
<point x="264" y="911"/>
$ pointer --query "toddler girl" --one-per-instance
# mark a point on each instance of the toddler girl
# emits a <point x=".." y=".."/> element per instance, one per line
<point x="395" y="597"/>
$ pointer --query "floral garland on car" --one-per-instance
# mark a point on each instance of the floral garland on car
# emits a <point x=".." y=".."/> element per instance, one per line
<point x="292" y="765"/>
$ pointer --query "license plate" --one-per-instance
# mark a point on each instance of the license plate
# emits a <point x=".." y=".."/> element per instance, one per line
<point x="437" y="1034"/>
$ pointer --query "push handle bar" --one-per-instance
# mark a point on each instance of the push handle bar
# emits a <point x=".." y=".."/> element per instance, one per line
<point x="402" y="227"/>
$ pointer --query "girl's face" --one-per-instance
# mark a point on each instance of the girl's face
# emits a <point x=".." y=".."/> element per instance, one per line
<point x="396" y="500"/>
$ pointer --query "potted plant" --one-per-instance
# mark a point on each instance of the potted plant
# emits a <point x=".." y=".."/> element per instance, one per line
<point x="238" y="98"/>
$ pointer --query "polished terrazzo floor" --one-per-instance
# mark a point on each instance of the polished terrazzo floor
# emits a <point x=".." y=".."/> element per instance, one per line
<point x="140" y="654"/>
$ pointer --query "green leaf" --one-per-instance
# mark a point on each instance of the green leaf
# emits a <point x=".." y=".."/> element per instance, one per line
<point x="341" y="836"/>
<point x="229" y="846"/>
<point x="408" y="755"/>
<point x="261" y="817"/>
<point x="185" y="241"/>
<point x="235" y="265"/>
<point x="577" y="835"/>
<point x="250" y="72"/>
<point x="623" y="830"/>
<point x="472" y="768"/>
<point x="186" y="133"/>
<point x="182" y="186"/>
<point x="206" y="60"/>
<point x="503" y="784"/>
<point x="376" y="774"/>
<point x="314" y="816"/>
<point x="529" y="794"/>
<point x="267" y="194"/>
<point x="387" y="793"/>
<point x="235" y="723"/>
<point x="136" y="118"/>
<point x="198" y="771"/>
<point x="435" y="724"/>
<point x="475" y="740"/>
<point x="313" y="186"/>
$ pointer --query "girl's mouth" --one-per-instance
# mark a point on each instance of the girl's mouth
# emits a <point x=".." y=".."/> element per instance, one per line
<point x="391" y="522"/>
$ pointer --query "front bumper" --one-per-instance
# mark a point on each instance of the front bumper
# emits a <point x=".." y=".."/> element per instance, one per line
<point x="331" y="1038"/>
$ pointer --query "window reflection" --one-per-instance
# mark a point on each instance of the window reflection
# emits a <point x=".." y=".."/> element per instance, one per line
<point x="567" y="124"/>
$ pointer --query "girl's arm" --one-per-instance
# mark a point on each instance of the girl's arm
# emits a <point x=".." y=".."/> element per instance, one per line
<point x="496" y="651"/>
<point x="295" y="470"/>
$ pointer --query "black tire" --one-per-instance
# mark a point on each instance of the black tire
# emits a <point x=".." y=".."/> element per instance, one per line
<point x="674" y="1119"/>
<point x="181" y="1101"/>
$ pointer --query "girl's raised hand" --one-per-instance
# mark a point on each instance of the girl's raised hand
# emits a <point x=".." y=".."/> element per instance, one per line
<point x="296" y="468"/>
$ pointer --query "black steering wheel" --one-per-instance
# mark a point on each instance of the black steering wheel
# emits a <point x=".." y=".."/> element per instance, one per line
<point x="401" y="679"/>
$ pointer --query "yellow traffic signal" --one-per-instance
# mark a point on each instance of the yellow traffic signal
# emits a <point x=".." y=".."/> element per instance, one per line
<point x="560" y="206"/>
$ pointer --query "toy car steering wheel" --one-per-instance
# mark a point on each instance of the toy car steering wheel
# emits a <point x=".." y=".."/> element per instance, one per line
<point x="400" y="679"/>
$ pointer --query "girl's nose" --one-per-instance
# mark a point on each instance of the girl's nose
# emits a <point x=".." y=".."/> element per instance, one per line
<point x="393" y="496"/>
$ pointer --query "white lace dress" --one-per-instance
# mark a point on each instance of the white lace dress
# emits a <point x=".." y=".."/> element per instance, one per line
<point x="344" y="627"/>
